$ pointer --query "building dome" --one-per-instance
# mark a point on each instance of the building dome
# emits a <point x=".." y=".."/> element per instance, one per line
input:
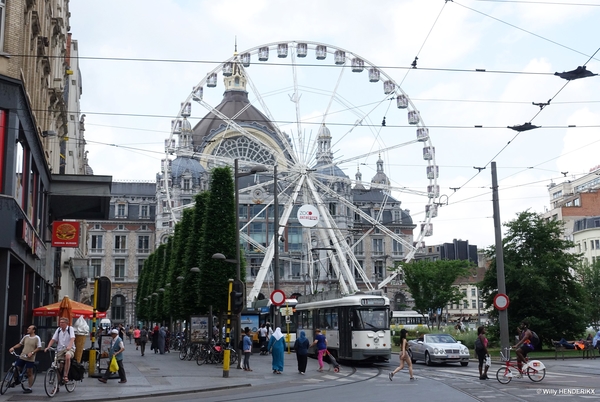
<point x="330" y="170"/>
<point x="183" y="165"/>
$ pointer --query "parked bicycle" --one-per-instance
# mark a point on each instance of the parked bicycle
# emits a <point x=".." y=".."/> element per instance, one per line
<point x="54" y="376"/>
<point x="13" y="377"/>
<point x="534" y="369"/>
<point x="214" y="353"/>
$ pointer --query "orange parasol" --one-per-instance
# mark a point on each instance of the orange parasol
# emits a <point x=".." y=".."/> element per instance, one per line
<point x="59" y="309"/>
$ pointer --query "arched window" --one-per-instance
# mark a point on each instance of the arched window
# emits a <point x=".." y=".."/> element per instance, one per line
<point x="118" y="308"/>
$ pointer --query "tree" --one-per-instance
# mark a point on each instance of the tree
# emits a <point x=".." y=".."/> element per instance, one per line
<point x="431" y="283"/>
<point x="173" y="294"/>
<point x="219" y="233"/>
<point x="590" y="280"/>
<point x="540" y="287"/>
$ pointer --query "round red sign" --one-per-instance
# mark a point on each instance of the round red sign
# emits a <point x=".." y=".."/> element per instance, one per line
<point x="501" y="301"/>
<point x="277" y="297"/>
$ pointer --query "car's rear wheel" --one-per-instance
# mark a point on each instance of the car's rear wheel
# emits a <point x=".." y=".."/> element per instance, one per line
<point x="464" y="364"/>
<point x="428" y="359"/>
<point x="412" y="359"/>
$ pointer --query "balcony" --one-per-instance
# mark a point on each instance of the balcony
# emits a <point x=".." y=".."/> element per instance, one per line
<point x="96" y="251"/>
<point x="143" y="251"/>
<point x="120" y="251"/>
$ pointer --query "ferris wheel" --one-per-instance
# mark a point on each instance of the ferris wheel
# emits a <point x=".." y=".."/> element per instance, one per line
<point x="319" y="113"/>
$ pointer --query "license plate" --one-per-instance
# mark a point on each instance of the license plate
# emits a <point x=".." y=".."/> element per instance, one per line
<point x="453" y="356"/>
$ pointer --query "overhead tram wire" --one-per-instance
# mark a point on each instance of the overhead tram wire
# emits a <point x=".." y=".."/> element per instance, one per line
<point x="542" y="3"/>
<point x="414" y="65"/>
<point x="521" y="29"/>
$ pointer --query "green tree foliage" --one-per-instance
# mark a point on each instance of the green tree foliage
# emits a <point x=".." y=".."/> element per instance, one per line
<point x="173" y="299"/>
<point x="538" y="282"/>
<point x="431" y="283"/>
<point x="590" y="280"/>
<point x="158" y="282"/>
<point x="219" y="234"/>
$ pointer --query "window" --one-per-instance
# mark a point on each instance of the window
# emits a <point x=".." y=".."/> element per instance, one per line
<point x="472" y="292"/>
<point x="295" y="270"/>
<point x="2" y="13"/>
<point x="359" y="248"/>
<point x="356" y="273"/>
<point x="118" y="308"/>
<point x="97" y="227"/>
<point x="19" y="179"/>
<point x="465" y="304"/>
<point x="140" y="264"/>
<point x="120" y="244"/>
<point x="186" y="184"/>
<point x="597" y="244"/>
<point x="396" y="247"/>
<point x="186" y="201"/>
<point x="144" y="211"/>
<point x="591" y="244"/>
<point x="96" y="266"/>
<point x="377" y="246"/>
<point x="119" y="269"/>
<point x="473" y="303"/>
<point x="96" y="246"/>
<point x="332" y="208"/>
<point x="121" y="211"/>
<point x="576" y="202"/>
<point x="378" y="269"/>
<point x="143" y="244"/>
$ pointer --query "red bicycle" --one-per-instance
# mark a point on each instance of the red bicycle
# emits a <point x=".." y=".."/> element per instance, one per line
<point x="534" y="369"/>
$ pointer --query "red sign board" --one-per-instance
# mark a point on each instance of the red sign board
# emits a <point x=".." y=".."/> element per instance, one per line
<point x="501" y="301"/>
<point x="65" y="234"/>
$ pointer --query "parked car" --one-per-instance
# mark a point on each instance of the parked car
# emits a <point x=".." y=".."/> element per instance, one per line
<point x="438" y="348"/>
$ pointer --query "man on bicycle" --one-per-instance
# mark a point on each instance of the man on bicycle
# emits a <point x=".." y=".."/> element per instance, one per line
<point x="524" y="346"/>
<point x="30" y="343"/>
<point x="64" y="337"/>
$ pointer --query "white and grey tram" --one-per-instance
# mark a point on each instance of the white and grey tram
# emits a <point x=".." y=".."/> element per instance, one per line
<point x="357" y="327"/>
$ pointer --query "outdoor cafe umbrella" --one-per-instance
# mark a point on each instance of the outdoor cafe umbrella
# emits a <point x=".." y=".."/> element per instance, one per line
<point x="60" y="309"/>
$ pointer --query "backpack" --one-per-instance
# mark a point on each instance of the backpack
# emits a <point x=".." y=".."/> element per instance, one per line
<point x="76" y="371"/>
<point x="478" y="343"/>
<point x="535" y="339"/>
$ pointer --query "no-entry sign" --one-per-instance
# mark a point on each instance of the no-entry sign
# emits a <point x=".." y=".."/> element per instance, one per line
<point x="278" y="297"/>
<point x="501" y="301"/>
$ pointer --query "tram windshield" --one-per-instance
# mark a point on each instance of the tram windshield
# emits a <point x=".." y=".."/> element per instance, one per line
<point x="370" y="318"/>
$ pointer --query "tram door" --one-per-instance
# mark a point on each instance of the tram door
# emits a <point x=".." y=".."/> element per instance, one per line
<point x="345" y="327"/>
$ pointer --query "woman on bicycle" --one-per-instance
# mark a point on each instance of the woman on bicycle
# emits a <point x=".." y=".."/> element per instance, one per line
<point x="31" y="344"/>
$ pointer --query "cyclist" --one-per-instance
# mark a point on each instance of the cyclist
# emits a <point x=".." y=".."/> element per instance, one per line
<point x="64" y="337"/>
<point x="524" y="346"/>
<point x="31" y="344"/>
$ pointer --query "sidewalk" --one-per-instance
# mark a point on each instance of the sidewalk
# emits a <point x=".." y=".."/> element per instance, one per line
<point x="156" y="374"/>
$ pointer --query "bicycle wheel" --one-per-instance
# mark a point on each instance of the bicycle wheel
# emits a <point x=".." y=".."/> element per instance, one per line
<point x="202" y="356"/>
<point x="504" y="375"/>
<point x="70" y="385"/>
<point x="51" y="382"/>
<point x="233" y="356"/>
<point x="25" y="382"/>
<point x="536" y="375"/>
<point x="183" y="353"/>
<point x="8" y="379"/>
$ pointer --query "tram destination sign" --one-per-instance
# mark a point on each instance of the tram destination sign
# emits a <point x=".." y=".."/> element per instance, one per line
<point x="372" y="302"/>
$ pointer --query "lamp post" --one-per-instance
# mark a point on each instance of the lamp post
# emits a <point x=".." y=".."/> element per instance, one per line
<point x="236" y="176"/>
<point x="221" y="257"/>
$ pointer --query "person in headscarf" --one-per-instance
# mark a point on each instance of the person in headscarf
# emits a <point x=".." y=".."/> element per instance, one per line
<point x="154" y="345"/>
<point x="162" y="335"/>
<point x="595" y="340"/>
<point x="301" y="347"/>
<point x="277" y="347"/>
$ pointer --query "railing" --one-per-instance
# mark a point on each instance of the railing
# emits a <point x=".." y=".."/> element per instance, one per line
<point x="143" y="251"/>
<point x="96" y="250"/>
<point x="120" y="251"/>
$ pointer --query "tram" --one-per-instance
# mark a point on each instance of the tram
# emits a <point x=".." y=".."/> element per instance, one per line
<point x="267" y="312"/>
<point x="357" y="327"/>
<point x="409" y="320"/>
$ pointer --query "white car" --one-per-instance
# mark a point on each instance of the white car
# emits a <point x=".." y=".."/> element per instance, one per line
<point x="438" y="348"/>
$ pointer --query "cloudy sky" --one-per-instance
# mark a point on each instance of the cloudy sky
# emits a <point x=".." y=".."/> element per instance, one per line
<point x="141" y="59"/>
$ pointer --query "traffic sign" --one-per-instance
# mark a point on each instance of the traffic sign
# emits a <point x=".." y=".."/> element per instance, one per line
<point x="286" y="311"/>
<point x="277" y="297"/>
<point x="501" y="301"/>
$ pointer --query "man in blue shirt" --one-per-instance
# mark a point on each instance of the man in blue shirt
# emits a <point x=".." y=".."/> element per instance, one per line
<point x="116" y="349"/>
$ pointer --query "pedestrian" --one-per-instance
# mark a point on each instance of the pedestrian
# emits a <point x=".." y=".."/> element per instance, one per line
<point x="31" y="344"/>
<point x="167" y="340"/>
<point x="129" y="333"/>
<point x="143" y="339"/>
<point x="482" y="352"/>
<point x="154" y="345"/>
<point x="276" y="347"/>
<point x="136" y="337"/>
<point x="116" y="349"/>
<point x="247" y="348"/>
<point x="595" y="340"/>
<point x="65" y="344"/>
<point x="301" y="347"/>
<point x="121" y="332"/>
<point x="404" y="357"/>
<point x="162" y="335"/>
<point x="262" y="338"/>
<point x="321" y="342"/>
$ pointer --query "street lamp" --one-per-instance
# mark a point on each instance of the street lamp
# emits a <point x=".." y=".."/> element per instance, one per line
<point x="221" y="257"/>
